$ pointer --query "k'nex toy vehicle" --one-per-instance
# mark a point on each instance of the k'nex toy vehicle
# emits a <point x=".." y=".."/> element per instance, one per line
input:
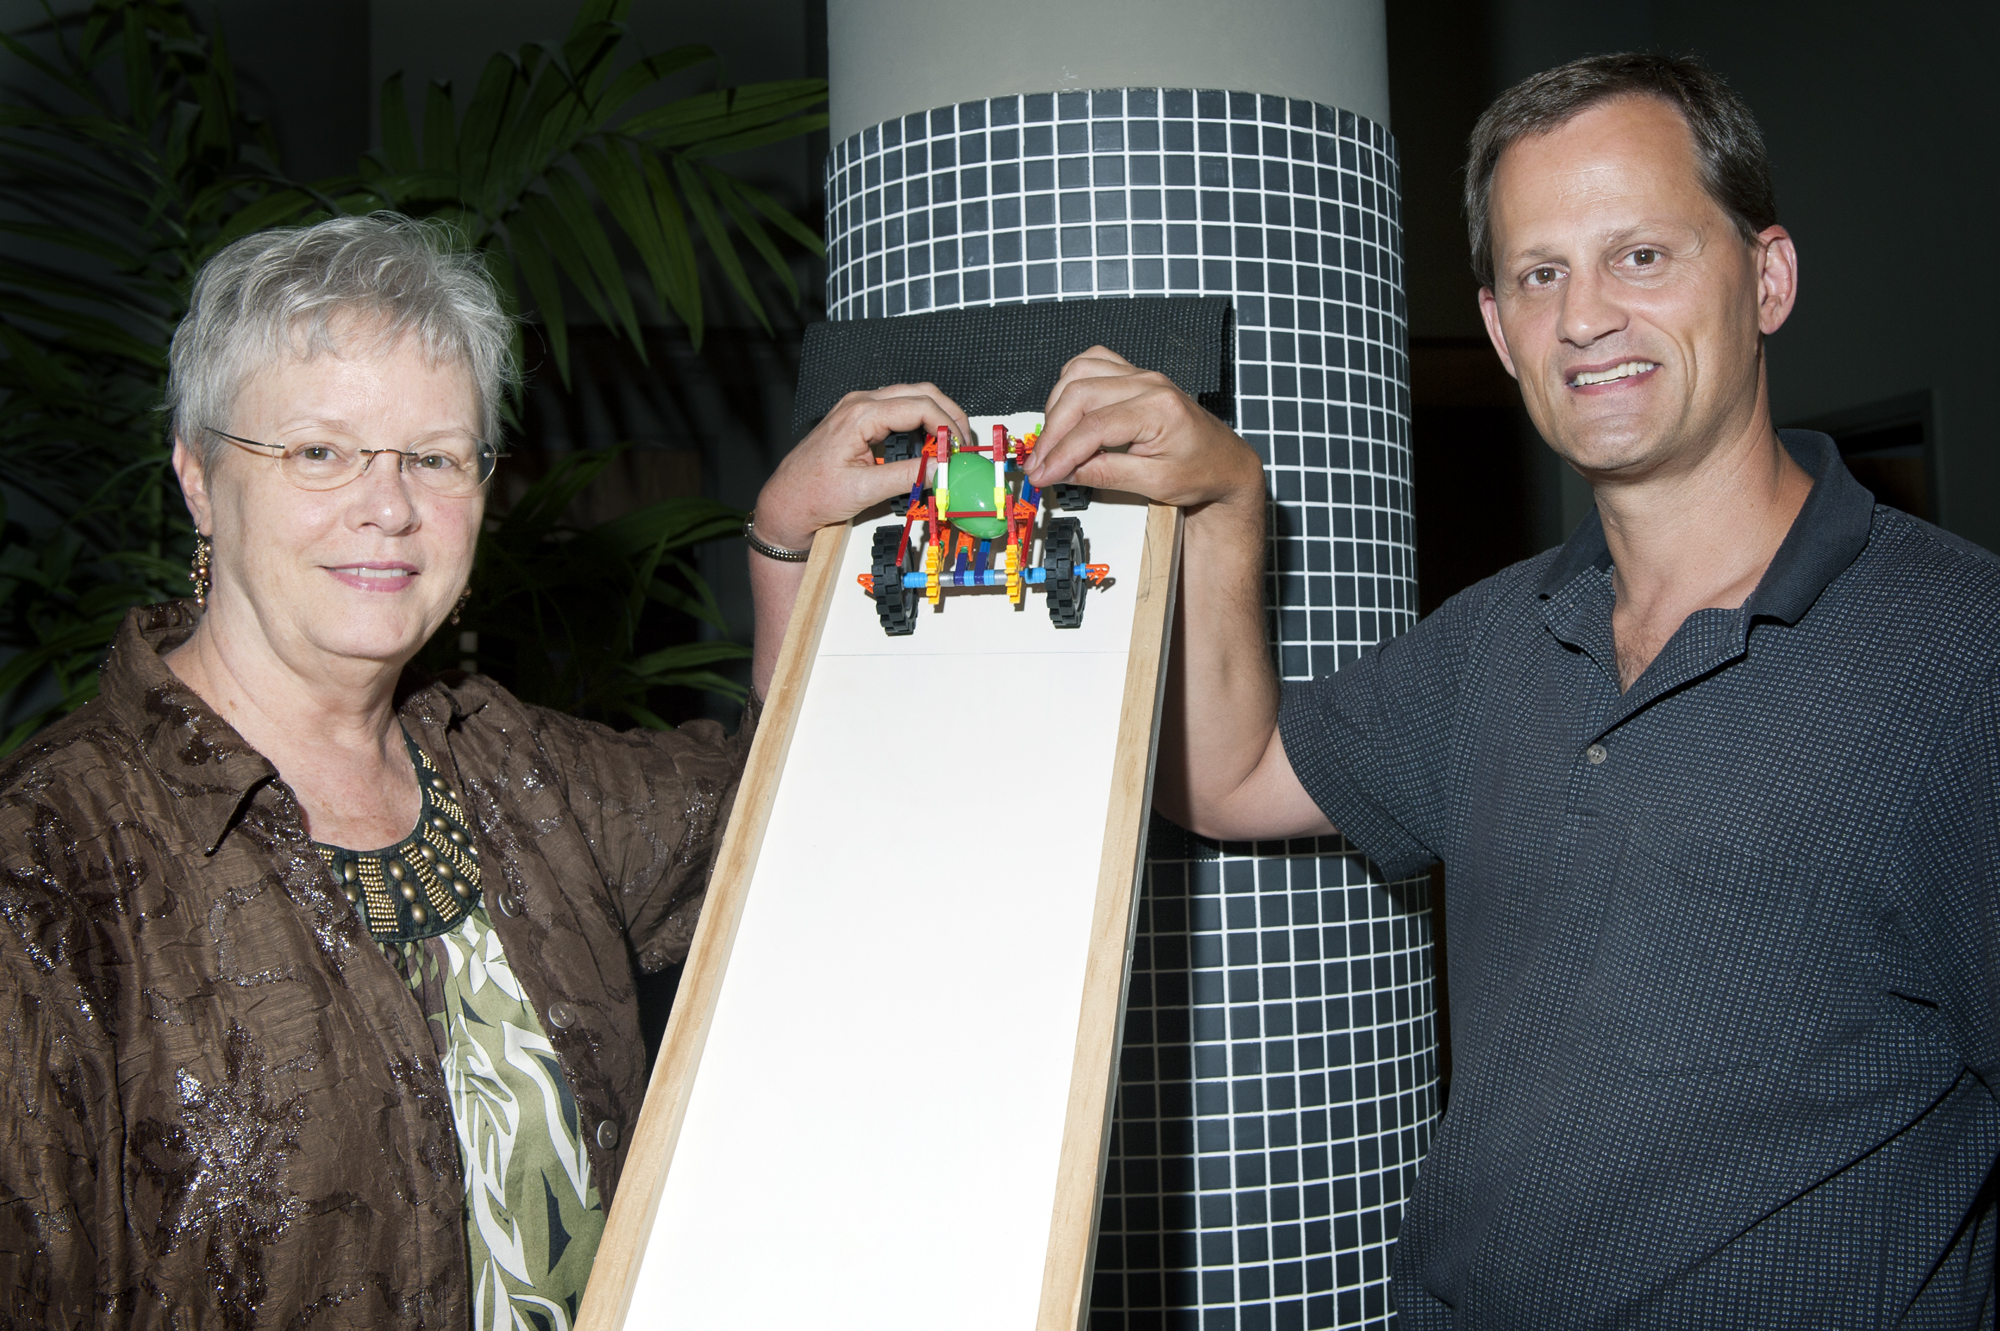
<point x="971" y="523"/>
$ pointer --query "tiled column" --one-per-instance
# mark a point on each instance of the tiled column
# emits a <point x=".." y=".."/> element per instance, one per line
<point x="1278" y="1085"/>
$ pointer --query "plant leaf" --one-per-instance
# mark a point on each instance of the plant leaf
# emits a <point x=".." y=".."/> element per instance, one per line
<point x="622" y="186"/>
<point x="531" y="254"/>
<point x="786" y="223"/>
<point x="399" y="146"/>
<point x="727" y="111"/>
<point x="440" y="130"/>
<point x="775" y="132"/>
<point x="746" y="221"/>
<point x="595" y="247"/>
<point x="712" y="229"/>
<point x="500" y="85"/>
<point x="683" y="285"/>
<point x="643" y="74"/>
<point x="556" y="239"/>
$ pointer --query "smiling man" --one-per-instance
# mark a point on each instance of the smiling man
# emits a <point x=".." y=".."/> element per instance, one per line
<point x="1715" y="781"/>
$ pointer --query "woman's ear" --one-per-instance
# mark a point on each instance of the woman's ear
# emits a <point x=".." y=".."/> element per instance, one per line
<point x="194" y="485"/>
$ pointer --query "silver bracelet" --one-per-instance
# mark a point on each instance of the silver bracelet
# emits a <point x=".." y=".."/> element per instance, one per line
<point x="766" y="549"/>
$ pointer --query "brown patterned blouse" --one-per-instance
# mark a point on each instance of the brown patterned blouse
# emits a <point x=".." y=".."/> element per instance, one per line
<point x="221" y="1107"/>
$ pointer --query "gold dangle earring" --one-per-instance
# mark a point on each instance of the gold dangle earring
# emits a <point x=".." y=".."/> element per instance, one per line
<point x="459" y="608"/>
<point x="198" y="574"/>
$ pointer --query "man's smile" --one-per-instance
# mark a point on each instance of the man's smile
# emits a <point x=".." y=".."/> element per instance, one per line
<point x="1626" y="369"/>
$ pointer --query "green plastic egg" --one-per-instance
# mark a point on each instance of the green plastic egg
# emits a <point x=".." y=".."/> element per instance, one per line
<point x="971" y="479"/>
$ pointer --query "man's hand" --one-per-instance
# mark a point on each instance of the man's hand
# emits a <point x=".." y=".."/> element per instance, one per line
<point x="1171" y="450"/>
<point x="832" y="474"/>
<point x="1222" y="768"/>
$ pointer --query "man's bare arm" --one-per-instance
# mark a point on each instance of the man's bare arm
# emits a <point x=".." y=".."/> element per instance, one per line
<point x="1222" y="770"/>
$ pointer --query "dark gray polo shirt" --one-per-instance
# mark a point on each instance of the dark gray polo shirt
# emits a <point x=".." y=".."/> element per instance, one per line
<point x="1725" y="951"/>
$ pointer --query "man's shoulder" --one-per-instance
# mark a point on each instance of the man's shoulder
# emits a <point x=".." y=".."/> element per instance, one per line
<point x="1927" y="579"/>
<point x="1497" y="600"/>
<point x="1908" y="540"/>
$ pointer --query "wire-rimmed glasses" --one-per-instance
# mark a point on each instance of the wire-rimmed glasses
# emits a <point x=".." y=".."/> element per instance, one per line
<point x="453" y="467"/>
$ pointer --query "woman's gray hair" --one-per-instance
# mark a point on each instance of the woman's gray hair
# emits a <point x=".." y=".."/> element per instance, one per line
<point x="281" y="293"/>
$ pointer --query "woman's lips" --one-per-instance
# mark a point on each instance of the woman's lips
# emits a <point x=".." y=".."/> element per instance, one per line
<point x="376" y="577"/>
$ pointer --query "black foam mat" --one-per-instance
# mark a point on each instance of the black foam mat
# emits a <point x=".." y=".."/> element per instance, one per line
<point x="995" y="360"/>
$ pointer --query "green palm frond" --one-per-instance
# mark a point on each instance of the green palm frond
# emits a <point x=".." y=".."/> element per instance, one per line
<point x="510" y="171"/>
<point x="539" y="581"/>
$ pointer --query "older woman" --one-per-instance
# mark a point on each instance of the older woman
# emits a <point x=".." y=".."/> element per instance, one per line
<point x="317" y="974"/>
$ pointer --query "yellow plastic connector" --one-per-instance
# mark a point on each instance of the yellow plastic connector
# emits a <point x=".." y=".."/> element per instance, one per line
<point x="1015" y="588"/>
<point x="932" y="562"/>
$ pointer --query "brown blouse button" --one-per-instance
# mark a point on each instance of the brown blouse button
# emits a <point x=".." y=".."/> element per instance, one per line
<point x="607" y="1135"/>
<point x="510" y="904"/>
<point x="561" y="1015"/>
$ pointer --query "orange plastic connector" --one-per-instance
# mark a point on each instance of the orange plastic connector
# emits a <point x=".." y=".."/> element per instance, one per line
<point x="1097" y="573"/>
<point x="867" y="581"/>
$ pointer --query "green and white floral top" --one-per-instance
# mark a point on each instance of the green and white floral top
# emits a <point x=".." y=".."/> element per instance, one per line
<point x="532" y="1218"/>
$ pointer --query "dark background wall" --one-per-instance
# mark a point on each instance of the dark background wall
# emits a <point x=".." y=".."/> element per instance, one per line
<point x="1880" y="121"/>
<point x="1880" y="118"/>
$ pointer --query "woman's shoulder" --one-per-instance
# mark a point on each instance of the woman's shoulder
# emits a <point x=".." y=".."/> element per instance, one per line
<point x="480" y="704"/>
<point x="86" y="760"/>
<point x="90" y="745"/>
<point x="479" y="718"/>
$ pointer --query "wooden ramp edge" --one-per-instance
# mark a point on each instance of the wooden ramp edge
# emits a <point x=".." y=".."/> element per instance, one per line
<point x="616" y="1268"/>
<point x="1100" y="1023"/>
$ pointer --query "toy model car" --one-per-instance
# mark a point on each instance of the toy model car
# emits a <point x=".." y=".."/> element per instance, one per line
<point x="971" y="523"/>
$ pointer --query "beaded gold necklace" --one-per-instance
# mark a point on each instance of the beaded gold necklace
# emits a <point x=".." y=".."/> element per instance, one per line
<point x="424" y="884"/>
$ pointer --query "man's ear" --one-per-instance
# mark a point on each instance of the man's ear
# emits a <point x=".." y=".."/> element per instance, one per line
<point x="1777" y="259"/>
<point x="1489" y="310"/>
<point x="194" y="485"/>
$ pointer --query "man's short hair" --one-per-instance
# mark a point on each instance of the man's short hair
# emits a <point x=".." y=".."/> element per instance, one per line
<point x="1729" y="147"/>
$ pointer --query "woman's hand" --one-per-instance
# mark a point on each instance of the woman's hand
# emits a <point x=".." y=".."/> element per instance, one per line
<point x="828" y="478"/>
<point x="832" y="474"/>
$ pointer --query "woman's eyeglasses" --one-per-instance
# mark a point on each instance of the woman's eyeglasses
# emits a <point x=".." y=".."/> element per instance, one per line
<point x="451" y="467"/>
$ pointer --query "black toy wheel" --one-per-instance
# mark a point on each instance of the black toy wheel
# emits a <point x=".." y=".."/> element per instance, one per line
<point x="1063" y="560"/>
<point x="1069" y="498"/>
<point x="902" y="447"/>
<point x="895" y="605"/>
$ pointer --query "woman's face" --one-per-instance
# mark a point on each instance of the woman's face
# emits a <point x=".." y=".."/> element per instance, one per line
<point x="331" y="579"/>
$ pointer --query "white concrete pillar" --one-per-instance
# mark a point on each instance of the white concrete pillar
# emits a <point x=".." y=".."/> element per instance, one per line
<point x="1279" y="1077"/>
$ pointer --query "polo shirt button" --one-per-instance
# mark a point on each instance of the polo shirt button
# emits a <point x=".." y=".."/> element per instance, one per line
<point x="562" y="1016"/>
<point x="1595" y="753"/>
<point x="607" y="1135"/>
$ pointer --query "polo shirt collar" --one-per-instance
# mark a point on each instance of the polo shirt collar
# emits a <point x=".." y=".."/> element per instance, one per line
<point x="1830" y="531"/>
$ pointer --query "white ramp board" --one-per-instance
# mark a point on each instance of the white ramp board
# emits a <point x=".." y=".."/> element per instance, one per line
<point x="885" y="1088"/>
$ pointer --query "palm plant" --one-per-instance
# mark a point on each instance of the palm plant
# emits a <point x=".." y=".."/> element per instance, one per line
<point x="133" y="160"/>
<point x="562" y="611"/>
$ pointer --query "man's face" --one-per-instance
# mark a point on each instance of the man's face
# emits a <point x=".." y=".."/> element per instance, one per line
<point x="1624" y="299"/>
